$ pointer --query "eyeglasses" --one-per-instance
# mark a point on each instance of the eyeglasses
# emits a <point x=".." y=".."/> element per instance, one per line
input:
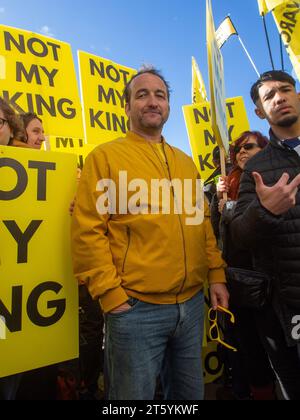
<point x="247" y="146"/>
<point x="214" y="331"/>
<point x="2" y="122"/>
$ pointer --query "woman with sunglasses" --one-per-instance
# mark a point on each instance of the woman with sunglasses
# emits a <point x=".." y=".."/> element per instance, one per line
<point x="251" y="373"/>
<point x="243" y="149"/>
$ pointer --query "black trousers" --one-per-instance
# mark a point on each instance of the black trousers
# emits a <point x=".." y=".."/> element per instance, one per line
<point x="285" y="360"/>
<point x="250" y="367"/>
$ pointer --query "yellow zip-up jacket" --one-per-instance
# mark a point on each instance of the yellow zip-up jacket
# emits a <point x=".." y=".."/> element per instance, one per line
<point x="156" y="258"/>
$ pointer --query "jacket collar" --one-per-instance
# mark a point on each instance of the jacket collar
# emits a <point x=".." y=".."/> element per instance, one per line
<point x="276" y="142"/>
<point x="137" y="138"/>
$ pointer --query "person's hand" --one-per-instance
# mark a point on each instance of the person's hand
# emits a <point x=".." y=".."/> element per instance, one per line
<point x="222" y="186"/>
<point x="122" y="308"/>
<point x="219" y="295"/>
<point x="281" y="197"/>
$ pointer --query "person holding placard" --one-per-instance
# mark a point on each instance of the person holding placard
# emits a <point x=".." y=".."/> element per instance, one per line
<point x="10" y="130"/>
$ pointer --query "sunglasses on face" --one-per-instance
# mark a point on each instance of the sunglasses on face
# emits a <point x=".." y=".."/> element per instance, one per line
<point x="247" y="146"/>
<point x="214" y="331"/>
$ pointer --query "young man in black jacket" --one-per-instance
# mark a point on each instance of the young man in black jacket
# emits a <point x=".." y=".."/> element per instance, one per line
<point x="267" y="222"/>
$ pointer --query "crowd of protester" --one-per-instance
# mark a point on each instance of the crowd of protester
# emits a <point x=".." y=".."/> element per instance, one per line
<point x="77" y="378"/>
<point x="255" y="215"/>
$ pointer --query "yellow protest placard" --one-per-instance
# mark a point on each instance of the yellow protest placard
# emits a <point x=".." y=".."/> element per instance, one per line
<point x="216" y="78"/>
<point x="211" y="357"/>
<point x="37" y="74"/>
<point x="70" y="145"/>
<point x="102" y="86"/>
<point x="38" y="293"/>
<point x="212" y="363"/>
<point x="287" y="18"/>
<point x="199" y="128"/>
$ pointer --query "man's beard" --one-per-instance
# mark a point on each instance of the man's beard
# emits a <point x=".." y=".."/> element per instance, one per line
<point x="153" y="125"/>
<point x="288" y="122"/>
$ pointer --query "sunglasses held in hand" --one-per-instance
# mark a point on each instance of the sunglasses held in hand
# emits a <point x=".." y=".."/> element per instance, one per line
<point x="214" y="331"/>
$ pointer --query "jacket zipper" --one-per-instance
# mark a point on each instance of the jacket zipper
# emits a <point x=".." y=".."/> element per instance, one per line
<point x="180" y="222"/>
<point x="128" y="246"/>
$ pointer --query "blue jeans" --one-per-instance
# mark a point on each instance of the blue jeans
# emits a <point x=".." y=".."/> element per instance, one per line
<point x="151" y="340"/>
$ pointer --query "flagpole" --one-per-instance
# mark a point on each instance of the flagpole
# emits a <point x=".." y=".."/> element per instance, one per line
<point x="281" y="52"/>
<point x="248" y="55"/>
<point x="268" y="41"/>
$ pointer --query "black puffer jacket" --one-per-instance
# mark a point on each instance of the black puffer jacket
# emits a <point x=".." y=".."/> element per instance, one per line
<point x="275" y="241"/>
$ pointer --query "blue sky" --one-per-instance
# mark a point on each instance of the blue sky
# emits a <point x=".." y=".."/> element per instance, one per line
<point x="163" y="33"/>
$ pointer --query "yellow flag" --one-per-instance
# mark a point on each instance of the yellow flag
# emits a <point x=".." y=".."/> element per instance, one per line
<point x="266" y="6"/>
<point x="287" y="18"/>
<point x="263" y="10"/>
<point x="198" y="87"/>
<point x="225" y="30"/>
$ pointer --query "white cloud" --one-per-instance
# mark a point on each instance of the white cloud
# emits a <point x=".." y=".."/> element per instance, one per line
<point x="105" y="48"/>
<point x="46" y="31"/>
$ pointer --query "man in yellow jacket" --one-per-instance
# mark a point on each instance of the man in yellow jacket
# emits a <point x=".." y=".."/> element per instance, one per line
<point x="140" y="251"/>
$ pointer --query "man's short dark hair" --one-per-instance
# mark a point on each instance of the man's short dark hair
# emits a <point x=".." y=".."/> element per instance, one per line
<point x="272" y="75"/>
<point x="145" y="70"/>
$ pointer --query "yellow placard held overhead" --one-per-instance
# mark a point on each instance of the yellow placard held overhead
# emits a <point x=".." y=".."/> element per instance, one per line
<point x="217" y="85"/>
<point x="287" y="18"/>
<point x="37" y="74"/>
<point x="70" y="145"/>
<point x="102" y="86"/>
<point x="266" y="6"/>
<point x="38" y="293"/>
<point x="202" y="139"/>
